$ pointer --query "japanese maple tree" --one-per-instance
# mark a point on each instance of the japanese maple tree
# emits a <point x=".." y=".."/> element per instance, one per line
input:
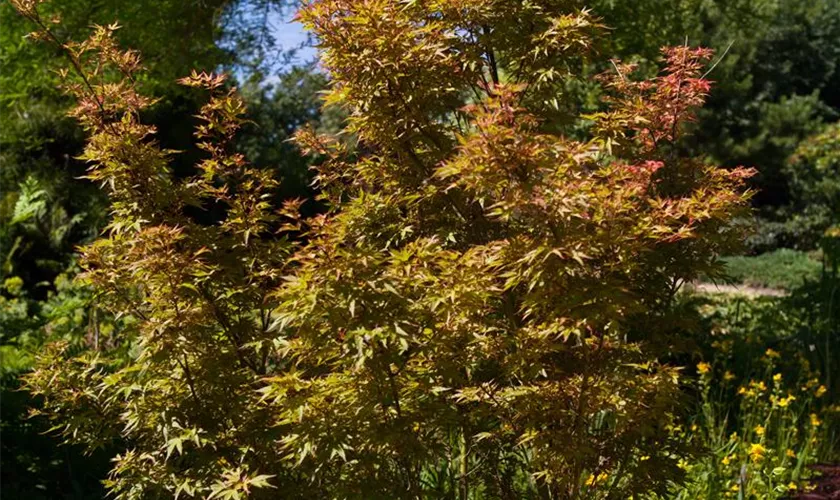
<point x="478" y="314"/>
<point x="481" y="302"/>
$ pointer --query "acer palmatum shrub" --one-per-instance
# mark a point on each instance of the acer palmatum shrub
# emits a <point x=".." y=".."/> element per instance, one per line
<point x="477" y="314"/>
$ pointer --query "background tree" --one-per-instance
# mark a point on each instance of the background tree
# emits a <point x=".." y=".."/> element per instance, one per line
<point x="777" y="84"/>
<point x="813" y="174"/>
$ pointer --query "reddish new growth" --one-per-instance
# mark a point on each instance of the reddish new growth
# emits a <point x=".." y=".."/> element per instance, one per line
<point x="655" y="109"/>
<point x="646" y="119"/>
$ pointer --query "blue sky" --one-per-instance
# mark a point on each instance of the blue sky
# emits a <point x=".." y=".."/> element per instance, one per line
<point x="291" y="34"/>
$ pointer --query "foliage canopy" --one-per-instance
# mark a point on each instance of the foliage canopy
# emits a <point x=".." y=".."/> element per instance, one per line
<point x="475" y="314"/>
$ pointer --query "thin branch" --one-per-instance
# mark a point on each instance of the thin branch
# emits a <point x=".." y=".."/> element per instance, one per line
<point x="612" y="61"/>
<point x="491" y="57"/>
<point x="712" y="68"/>
<point x="228" y="329"/>
<point x="35" y="18"/>
<point x="190" y="382"/>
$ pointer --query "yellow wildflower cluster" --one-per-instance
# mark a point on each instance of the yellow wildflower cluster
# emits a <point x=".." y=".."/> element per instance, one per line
<point x="757" y="451"/>
<point x="782" y="402"/>
<point x="771" y="440"/>
<point x="755" y="388"/>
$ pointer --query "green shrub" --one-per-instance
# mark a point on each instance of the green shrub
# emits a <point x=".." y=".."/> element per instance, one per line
<point x="783" y="268"/>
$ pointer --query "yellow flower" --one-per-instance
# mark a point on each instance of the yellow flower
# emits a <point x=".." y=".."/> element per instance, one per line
<point x="791" y="485"/>
<point x="693" y="427"/>
<point x="726" y="460"/>
<point x="733" y="436"/>
<point x="735" y="487"/>
<point x="757" y="452"/>
<point x="821" y="390"/>
<point x="644" y="458"/>
<point x="777" y="378"/>
<point x="728" y="376"/>
<point x="704" y="368"/>
<point x="770" y="353"/>
<point x="790" y="453"/>
<point x="815" y="420"/>
<point x="593" y="480"/>
<point x="759" y="430"/>
<point x="785" y="402"/>
<point x="811" y="383"/>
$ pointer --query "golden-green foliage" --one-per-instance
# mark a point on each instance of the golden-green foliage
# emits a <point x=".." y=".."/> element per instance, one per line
<point x="465" y="318"/>
<point x="184" y="400"/>
<point x="479" y="274"/>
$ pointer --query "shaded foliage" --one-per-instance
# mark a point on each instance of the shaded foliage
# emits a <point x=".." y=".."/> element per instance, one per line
<point x="275" y="112"/>
<point x="34" y="465"/>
